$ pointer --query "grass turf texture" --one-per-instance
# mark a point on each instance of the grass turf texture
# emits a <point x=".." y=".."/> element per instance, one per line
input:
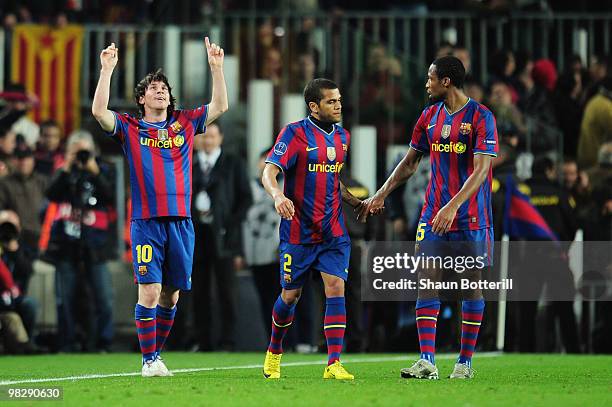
<point x="504" y="380"/>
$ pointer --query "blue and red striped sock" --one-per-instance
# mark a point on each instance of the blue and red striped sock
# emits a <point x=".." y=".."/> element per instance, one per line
<point x="426" y="321"/>
<point x="282" y="317"/>
<point x="165" y="319"/>
<point x="146" y="327"/>
<point x="334" y="326"/>
<point x="471" y="318"/>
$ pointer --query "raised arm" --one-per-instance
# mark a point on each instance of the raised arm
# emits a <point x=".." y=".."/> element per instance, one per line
<point x="404" y="170"/>
<point x="282" y="204"/>
<point x="218" y="103"/>
<point x="108" y="59"/>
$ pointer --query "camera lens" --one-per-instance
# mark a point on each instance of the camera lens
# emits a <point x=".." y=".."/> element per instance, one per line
<point x="83" y="156"/>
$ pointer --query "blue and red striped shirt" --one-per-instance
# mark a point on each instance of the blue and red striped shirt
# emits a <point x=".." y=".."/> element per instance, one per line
<point x="452" y="140"/>
<point x="159" y="156"/>
<point x="311" y="160"/>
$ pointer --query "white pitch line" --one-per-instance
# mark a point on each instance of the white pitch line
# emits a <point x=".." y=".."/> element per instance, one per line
<point x="209" y="369"/>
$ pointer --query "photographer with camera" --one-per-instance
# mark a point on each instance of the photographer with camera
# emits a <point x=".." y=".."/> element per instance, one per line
<point x="17" y="311"/>
<point x="79" y="236"/>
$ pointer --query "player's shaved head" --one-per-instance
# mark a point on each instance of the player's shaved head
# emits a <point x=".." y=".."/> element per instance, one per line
<point x="313" y="92"/>
<point x="450" y="67"/>
<point x="141" y="89"/>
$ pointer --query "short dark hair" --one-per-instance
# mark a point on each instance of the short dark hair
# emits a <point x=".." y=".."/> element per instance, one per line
<point x="49" y="123"/>
<point x="450" y="67"/>
<point x="4" y="131"/>
<point x="542" y="164"/>
<point x="141" y="88"/>
<point x="218" y="127"/>
<point x="312" y="91"/>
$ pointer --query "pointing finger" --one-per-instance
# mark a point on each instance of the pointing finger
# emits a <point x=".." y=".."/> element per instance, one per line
<point x="207" y="42"/>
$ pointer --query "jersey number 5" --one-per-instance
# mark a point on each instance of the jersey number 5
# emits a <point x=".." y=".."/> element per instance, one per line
<point x="420" y="232"/>
<point x="144" y="253"/>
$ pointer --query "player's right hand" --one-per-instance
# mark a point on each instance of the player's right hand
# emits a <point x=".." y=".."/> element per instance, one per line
<point x="109" y="56"/>
<point x="284" y="207"/>
<point x="371" y="206"/>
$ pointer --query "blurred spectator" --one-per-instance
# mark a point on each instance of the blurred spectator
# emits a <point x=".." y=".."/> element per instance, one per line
<point x="502" y="67"/>
<point x="14" y="338"/>
<point x="23" y="192"/>
<point x="596" y="127"/>
<point x="359" y="232"/>
<point x="601" y="184"/>
<point x="545" y="74"/>
<point x="13" y="115"/>
<point x="510" y="123"/>
<point x="14" y="277"/>
<point x="569" y="110"/>
<point x="261" y="242"/>
<point x="599" y="69"/>
<point x="536" y="104"/>
<point x="7" y="147"/>
<point x="82" y="192"/>
<point x="575" y="180"/>
<point x="382" y="99"/>
<point x="504" y="166"/>
<point x="557" y="209"/>
<point x="221" y="198"/>
<point x="305" y="70"/>
<point x="474" y="91"/>
<point x="444" y="49"/>
<point x="49" y="154"/>
<point x="465" y="57"/>
<point x="551" y="200"/>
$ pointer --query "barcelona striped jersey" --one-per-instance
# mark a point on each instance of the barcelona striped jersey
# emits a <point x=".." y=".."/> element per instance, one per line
<point x="311" y="160"/>
<point x="159" y="157"/>
<point x="452" y="140"/>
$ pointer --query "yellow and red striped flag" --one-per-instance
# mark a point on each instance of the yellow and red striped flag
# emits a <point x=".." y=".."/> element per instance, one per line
<point x="47" y="62"/>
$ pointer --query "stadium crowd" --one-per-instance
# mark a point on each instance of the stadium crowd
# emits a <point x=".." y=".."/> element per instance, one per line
<point x="57" y="195"/>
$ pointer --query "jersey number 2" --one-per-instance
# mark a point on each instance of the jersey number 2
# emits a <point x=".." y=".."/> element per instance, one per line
<point x="287" y="264"/>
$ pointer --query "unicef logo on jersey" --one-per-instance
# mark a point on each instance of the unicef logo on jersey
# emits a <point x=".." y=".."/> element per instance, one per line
<point x="280" y="148"/>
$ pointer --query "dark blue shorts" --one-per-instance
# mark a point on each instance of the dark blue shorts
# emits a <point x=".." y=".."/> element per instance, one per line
<point x="330" y="257"/>
<point x="472" y="243"/>
<point x="162" y="251"/>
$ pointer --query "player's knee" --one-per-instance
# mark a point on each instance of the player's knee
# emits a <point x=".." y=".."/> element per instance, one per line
<point x="149" y="294"/>
<point x="291" y="297"/>
<point x="168" y="298"/>
<point x="334" y="287"/>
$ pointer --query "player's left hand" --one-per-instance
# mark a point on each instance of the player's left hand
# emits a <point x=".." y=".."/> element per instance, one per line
<point x="215" y="54"/>
<point x="443" y="220"/>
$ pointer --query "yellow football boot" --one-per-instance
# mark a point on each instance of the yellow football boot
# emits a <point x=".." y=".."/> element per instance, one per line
<point x="337" y="371"/>
<point x="271" y="369"/>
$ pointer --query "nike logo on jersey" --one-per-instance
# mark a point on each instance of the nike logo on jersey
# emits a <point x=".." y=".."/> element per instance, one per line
<point x="311" y="148"/>
<point x="430" y="126"/>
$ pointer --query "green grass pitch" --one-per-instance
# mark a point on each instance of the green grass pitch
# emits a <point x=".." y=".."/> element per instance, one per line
<point x="235" y="379"/>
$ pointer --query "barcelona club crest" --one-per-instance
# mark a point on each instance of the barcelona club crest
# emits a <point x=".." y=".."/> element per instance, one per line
<point x="176" y="127"/>
<point x="162" y="134"/>
<point x="142" y="270"/>
<point x="287" y="278"/>
<point x="465" y="128"/>
<point x="179" y="141"/>
<point x="446" y="129"/>
<point x="331" y="153"/>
